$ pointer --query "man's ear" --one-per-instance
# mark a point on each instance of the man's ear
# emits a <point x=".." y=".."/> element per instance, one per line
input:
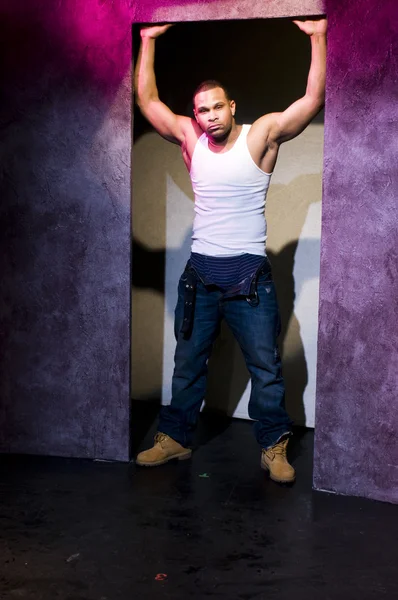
<point x="233" y="107"/>
<point x="194" y="114"/>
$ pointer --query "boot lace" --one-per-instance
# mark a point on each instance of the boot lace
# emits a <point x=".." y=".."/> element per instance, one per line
<point x="278" y="450"/>
<point x="160" y="438"/>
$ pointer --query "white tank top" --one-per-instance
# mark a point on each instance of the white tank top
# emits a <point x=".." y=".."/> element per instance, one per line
<point x="230" y="192"/>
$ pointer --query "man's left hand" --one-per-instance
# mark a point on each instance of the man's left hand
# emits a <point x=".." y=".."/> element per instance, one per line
<point x="309" y="27"/>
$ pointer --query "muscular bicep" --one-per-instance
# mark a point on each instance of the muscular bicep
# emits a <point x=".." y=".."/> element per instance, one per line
<point x="167" y="124"/>
<point x="292" y="121"/>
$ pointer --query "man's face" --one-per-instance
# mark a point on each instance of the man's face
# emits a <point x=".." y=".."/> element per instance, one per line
<point x="214" y="113"/>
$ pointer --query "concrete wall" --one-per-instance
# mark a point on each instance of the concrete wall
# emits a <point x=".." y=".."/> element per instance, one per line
<point x="357" y="396"/>
<point x="163" y="209"/>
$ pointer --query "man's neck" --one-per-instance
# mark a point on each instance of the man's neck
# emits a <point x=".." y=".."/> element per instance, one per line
<point x="227" y="142"/>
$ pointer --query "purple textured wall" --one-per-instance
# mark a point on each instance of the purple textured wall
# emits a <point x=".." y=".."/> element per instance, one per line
<point x="356" y="449"/>
<point x="65" y="118"/>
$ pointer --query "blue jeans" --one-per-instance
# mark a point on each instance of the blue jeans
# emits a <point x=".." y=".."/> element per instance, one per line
<point x="255" y="326"/>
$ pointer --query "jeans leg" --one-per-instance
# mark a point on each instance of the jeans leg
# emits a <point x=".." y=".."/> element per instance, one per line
<point x="190" y="363"/>
<point x="256" y="329"/>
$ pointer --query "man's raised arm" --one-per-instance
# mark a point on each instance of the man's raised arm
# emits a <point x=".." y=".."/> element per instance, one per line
<point x="288" y="124"/>
<point x="169" y="125"/>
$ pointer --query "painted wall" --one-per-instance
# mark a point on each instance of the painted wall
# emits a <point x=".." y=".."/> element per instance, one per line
<point x="65" y="109"/>
<point x="65" y="105"/>
<point x="163" y="210"/>
<point x="356" y="450"/>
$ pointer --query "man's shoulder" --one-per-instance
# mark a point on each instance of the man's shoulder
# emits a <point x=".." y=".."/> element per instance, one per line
<point x="262" y="128"/>
<point x="192" y="133"/>
<point x="190" y="126"/>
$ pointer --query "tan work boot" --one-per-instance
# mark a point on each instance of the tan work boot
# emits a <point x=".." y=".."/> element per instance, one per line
<point x="274" y="460"/>
<point x="164" y="449"/>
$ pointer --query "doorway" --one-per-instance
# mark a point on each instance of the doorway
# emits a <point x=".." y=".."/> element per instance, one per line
<point x="264" y="64"/>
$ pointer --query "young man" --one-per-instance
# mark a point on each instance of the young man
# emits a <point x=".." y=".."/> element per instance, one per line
<point x="228" y="274"/>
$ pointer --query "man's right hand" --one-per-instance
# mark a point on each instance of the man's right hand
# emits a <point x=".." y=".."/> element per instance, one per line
<point x="154" y="31"/>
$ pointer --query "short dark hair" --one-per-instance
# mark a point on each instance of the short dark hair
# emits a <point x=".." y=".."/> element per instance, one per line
<point x="210" y="84"/>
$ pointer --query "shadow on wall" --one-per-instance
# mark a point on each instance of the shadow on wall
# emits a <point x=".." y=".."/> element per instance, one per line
<point x="164" y="208"/>
<point x="228" y="377"/>
<point x="161" y="245"/>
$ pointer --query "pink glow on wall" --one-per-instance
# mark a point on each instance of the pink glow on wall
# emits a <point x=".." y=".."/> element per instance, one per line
<point x="90" y="39"/>
<point x="99" y="33"/>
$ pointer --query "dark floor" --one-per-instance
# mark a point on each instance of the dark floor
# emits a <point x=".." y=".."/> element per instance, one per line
<point x="215" y="526"/>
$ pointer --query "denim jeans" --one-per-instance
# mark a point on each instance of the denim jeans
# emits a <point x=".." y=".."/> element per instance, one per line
<point x="256" y="326"/>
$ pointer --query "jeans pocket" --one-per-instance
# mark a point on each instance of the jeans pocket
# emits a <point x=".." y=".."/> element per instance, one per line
<point x="265" y="279"/>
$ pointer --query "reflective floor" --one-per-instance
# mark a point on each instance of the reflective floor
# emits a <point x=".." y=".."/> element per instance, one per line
<point x="212" y="527"/>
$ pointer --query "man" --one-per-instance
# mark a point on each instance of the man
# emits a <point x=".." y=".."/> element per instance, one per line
<point x="228" y="275"/>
